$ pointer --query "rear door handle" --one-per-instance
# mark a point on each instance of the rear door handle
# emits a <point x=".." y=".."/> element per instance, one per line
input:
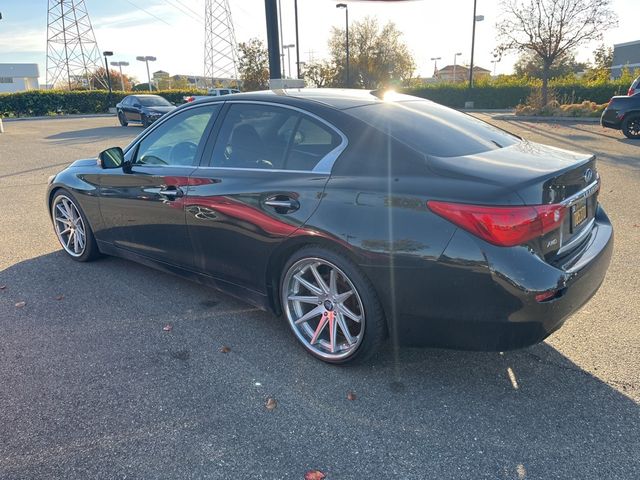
<point x="171" y="192"/>
<point x="283" y="204"/>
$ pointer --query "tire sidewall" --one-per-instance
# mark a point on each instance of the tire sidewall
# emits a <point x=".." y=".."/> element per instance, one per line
<point x="122" y="119"/>
<point x="91" y="248"/>
<point x="625" y="127"/>
<point x="374" y="326"/>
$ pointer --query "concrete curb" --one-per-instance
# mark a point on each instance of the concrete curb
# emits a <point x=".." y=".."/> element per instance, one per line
<point x="57" y="117"/>
<point x="525" y="118"/>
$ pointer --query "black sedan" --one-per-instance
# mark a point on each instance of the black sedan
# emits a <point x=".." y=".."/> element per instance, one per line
<point x="144" y="109"/>
<point x="623" y="113"/>
<point x="356" y="215"/>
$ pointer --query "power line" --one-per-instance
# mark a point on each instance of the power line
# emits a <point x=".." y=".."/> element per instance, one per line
<point x="147" y="12"/>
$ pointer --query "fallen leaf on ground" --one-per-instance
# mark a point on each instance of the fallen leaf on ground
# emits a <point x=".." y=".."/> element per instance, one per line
<point x="59" y="297"/>
<point x="314" y="475"/>
<point x="167" y="328"/>
<point x="271" y="403"/>
<point x="20" y="304"/>
<point x="225" y="349"/>
<point x="351" y="395"/>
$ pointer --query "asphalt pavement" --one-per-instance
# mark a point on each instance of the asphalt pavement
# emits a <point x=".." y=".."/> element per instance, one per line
<point x="93" y="386"/>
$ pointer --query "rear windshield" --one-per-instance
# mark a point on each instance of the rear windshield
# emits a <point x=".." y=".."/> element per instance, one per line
<point x="433" y="129"/>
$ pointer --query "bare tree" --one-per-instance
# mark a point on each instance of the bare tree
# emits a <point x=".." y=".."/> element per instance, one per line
<point x="552" y="28"/>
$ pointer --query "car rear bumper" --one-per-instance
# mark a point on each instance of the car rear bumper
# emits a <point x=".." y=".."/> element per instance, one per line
<point x="484" y="299"/>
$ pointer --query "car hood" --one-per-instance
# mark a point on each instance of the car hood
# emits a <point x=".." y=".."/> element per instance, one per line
<point x="87" y="162"/>
<point x="166" y="109"/>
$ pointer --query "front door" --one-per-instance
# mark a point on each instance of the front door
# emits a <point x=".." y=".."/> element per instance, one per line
<point x="259" y="187"/>
<point x="143" y="206"/>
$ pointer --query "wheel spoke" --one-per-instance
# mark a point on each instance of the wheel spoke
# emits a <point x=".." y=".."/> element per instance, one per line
<point x="333" y="287"/>
<point x="65" y="231"/>
<point x="318" y="277"/>
<point x="321" y="325"/>
<point x="340" y="298"/>
<point x="345" y="311"/>
<point x="61" y="209"/>
<point x="314" y="312"/>
<point x="345" y="330"/>
<point x="69" y="238"/>
<point x="76" y="245"/>
<point x="304" y="299"/>
<point x="63" y="220"/>
<point x="309" y="286"/>
<point x="333" y="330"/>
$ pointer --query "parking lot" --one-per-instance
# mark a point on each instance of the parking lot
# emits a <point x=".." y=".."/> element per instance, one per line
<point x="92" y="386"/>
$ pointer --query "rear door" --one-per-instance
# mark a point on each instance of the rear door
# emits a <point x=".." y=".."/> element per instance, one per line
<point x="143" y="206"/>
<point x="260" y="181"/>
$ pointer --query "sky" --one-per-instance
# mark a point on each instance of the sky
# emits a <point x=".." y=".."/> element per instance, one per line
<point x="172" y="32"/>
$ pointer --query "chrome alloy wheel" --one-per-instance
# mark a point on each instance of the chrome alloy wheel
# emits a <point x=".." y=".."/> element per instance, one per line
<point x="323" y="308"/>
<point x="69" y="226"/>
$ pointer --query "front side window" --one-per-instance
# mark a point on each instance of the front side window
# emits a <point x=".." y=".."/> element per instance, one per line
<point x="154" y="101"/>
<point x="176" y="141"/>
<point x="270" y="137"/>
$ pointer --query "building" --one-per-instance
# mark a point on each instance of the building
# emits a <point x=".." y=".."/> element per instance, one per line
<point x="460" y="73"/>
<point x="18" y="77"/>
<point x="625" y="55"/>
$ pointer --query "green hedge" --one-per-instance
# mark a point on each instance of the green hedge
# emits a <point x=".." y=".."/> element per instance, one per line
<point x="508" y="96"/>
<point x="52" y="102"/>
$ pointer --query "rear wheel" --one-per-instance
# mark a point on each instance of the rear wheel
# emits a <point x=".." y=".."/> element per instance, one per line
<point x="122" y="119"/>
<point x="72" y="228"/>
<point x="631" y="127"/>
<point x="331" y="306"/>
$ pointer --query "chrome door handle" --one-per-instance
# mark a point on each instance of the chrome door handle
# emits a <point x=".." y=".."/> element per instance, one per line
<point x="282" y="203"/>
<point x="279" y="203"/>
<point x="171" y="192"/>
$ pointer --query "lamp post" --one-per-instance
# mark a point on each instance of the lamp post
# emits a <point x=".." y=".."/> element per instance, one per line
<point x="346" y="20"/>
<point x="146" y="60"/>
<point x="121" y="64"/>
<point x="476" y="18"/>
<point x="106" y="66"/>
<point x="495" y="62"/>
<point x="271" y="14"/>
<point x="288" y="47"/>
<point x="435" y="64"/>
<point x="295" y="7"/>
<point x="455" y="58"/>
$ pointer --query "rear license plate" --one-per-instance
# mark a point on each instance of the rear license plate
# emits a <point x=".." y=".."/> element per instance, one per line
<point x="578" y="214"/>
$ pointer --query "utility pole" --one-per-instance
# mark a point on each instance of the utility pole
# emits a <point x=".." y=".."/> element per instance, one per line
<point x="271" y="14"/>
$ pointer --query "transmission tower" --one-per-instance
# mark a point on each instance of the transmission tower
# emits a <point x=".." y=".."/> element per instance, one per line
<point x="72" y="51"/>
<point x="220" y="57"/>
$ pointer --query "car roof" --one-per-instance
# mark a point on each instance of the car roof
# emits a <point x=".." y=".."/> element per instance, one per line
<point x="337" y="98"/>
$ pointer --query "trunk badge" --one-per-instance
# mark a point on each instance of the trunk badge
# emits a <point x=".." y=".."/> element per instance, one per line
<point x="588" y="175"/>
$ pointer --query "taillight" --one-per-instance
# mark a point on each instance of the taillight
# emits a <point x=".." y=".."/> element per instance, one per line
<point x="502" y="226"/>
<point x="631" y="91"/>
<point x="189" y="99"/>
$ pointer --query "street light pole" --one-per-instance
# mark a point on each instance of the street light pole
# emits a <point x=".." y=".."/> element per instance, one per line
<point x="147" y="59"/>
<point x="346" y="20"/>
<point x="455" y="57"/>
<point x="435" y="64"/>
<point x="295" y="7"/>
<point x="271" y="14"/>
<point x="106" y="66"/>
<point x="476" y="18"/>
<point x="121" y="64"/>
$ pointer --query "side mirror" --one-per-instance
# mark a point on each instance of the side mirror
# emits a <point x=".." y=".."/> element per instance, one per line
<point x="111" y="158"/>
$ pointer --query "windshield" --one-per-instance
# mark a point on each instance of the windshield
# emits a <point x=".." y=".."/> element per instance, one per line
<point x="153" y="102"/>
<point x="433" y="129"/>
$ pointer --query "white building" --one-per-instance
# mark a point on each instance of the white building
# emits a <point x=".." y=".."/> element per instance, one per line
<point x="18" y="77"/>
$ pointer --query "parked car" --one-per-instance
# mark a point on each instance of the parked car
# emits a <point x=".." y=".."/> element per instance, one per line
<point x="623" y="113"/>
<point x="635" y="87"/>
<point x="144" y="109"/>
<point x="213" y="92"/>
<point x="356" y="215"/>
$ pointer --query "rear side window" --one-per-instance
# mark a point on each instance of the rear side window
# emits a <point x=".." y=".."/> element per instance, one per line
<point x="433" y="129"/>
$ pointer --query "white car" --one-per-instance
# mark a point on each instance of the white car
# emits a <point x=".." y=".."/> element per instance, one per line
<point x="212" y="92"/>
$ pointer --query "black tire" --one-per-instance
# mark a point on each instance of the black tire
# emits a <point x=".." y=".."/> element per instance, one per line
<point x="122" y="119"/>
<point x="631" y="127"/>
<point x="374" y="324"/>
<point x="145" y="121"/>
<point x="90" y="251"/>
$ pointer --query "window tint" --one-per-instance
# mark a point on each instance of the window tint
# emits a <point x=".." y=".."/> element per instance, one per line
<point x="176" y="141"/>
<point x="269" y="137"/>
<point x="433" y="129"/>
<point x="154" y="101"/>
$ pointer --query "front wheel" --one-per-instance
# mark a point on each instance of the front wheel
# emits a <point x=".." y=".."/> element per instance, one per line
<point x="72" y="228"/>
<point x="331" y="306"/>
<point x="145" y="121"/>
<point x="631" y="127"/>
<point x="122" y="119"/>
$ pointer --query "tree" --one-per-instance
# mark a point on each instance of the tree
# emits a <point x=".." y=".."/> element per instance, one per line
<point x="530" y="65"/>
<point x="552" y="28"/>
<point x="377" y="56"/>
<point x="99" y="80"/>
<point x="321" y="74"/>
<point x="253" y="65"/>
<point x="600" y="68"/>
